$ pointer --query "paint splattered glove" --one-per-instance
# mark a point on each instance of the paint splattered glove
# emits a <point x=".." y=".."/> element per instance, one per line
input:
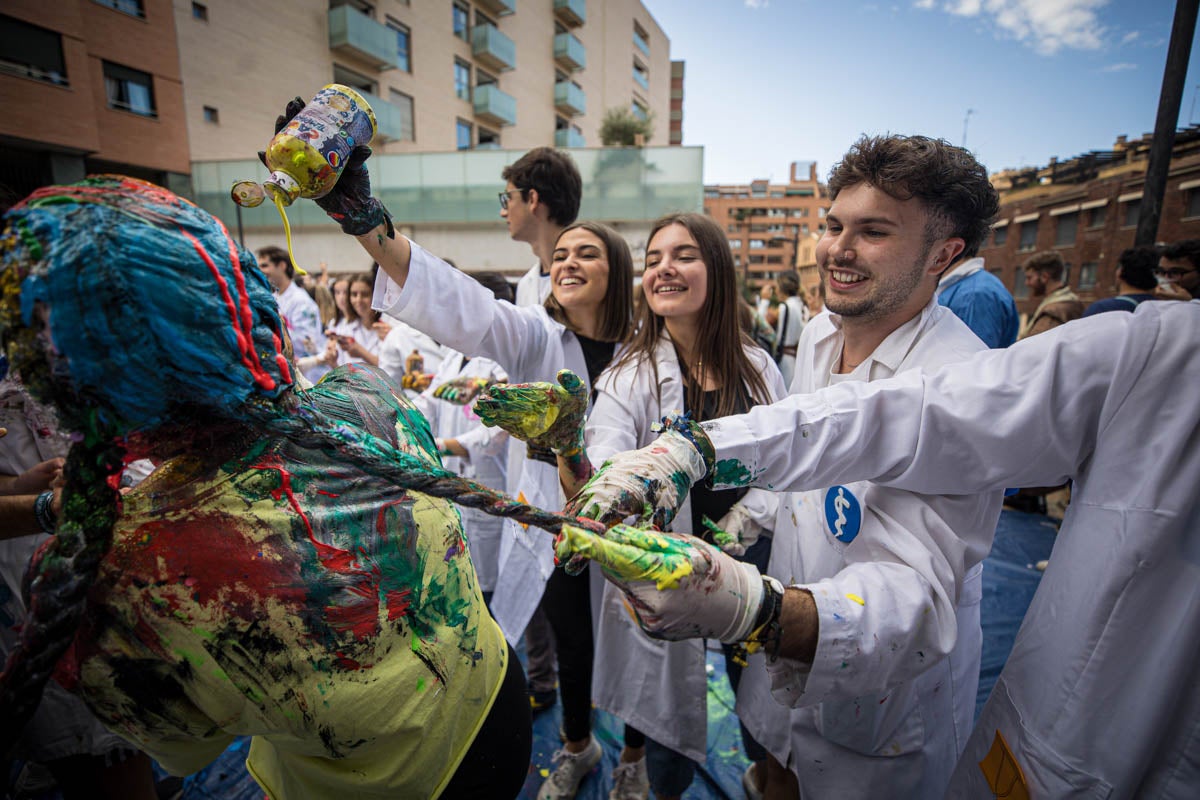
<point x="678" y="586"/>
<point x="650" y="483"/>
<point x="349" y="203"/>
<point x="461" y="391"/>
<point x="735" y="532"/>
<point x="543" y="414"/>
<point x="416" y="381"/>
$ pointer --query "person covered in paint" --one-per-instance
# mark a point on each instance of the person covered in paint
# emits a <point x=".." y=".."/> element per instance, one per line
<point x="689" y="353"/>
<point x="894" y="576"/>
<point x="270" y="579"/>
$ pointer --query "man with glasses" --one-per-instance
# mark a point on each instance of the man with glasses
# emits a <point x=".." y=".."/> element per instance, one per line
<point x="1177" y="274"/>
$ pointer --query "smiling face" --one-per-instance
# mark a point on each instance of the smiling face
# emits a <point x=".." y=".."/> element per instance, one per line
<point x="341" y="296"/>
<point x="676" y="279"/>
<point x="579" y="270"/>
<point x="877" y="263"/>
<point x="276" y="273"/>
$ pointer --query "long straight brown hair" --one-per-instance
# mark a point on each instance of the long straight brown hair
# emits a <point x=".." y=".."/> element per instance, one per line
<point x="722" y="343"/>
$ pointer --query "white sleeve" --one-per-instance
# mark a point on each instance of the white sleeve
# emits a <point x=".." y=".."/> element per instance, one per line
<point x="617" y="416"/>
<point x="456" y="311"/>
<point x="482" y="442"/>
<point x="1025" y="416"/>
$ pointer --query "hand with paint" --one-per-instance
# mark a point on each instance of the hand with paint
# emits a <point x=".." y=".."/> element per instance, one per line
<point x="678" y="586"/>
<point x="650" y="483"/>
<point x="735" y="532"/>
<point x="349" y="203"/>
<point x="416" y="381"/>
<point x="541" y="413"/>
<point x="461" y="390"/>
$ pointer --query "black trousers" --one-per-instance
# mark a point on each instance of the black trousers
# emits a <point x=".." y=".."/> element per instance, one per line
<point x="567" y="604"/>
<point x="498" y="761"/>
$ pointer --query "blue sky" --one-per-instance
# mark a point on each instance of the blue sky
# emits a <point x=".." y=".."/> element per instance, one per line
<point x="774" y="81"/>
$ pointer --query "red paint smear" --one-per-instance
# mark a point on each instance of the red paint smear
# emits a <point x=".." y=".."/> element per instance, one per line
<point x="397" y="603"/>
<point x="245" y="343"/>
<point x="327" y="494"/>
<point x="281" y="361"/>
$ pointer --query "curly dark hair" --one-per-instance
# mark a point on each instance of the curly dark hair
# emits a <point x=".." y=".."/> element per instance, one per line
<point x="1136" y="266"/>
<point x="948" y="181"/>
<point x="1185" y="250"/>
<point x="553" y="174"/>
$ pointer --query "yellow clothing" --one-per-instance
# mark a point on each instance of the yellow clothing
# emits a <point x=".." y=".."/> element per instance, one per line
<point x="294" y="598"/>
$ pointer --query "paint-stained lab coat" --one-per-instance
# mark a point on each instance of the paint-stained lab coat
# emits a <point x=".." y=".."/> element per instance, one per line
<point x="1100" y="696"/>
<point x="887" y="707"/>
<point x="487" y="455"/>
<point x="458" y="312"/>
<point x="659" y="687"/>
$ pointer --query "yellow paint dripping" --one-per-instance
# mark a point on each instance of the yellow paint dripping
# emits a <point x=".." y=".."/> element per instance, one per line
<point x="287" y="230"/>
<point x="857" y="599"/>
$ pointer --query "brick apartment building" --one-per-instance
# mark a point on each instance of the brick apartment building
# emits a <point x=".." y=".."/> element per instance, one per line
<point x="1086" y="208"/>
<point x="772" y="227"/>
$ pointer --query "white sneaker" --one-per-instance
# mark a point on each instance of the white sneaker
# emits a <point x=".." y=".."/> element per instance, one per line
<point x="570" y="770"/>
<point x="630" y="781"/>
<point x="752" y="792"/>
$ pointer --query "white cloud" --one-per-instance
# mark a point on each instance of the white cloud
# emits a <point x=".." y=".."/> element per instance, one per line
<point x="1130" y="37"/>
<point x="1123" y="66"/>
<point x="924" y="5"/>
<point x="1046" y="25"/>
<point x="757" y="4"/>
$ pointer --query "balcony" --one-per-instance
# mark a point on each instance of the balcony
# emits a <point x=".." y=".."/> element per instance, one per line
<point x="388" y="119"/>
<point x="569" y="52"/>
<point x="571" y="13"/>
<point x="492" y="48"/>
<point x="501" y="8"/>
<point x="355" y="34"/>
<point x="494" y="107"/>
<point x="568" y="137"/>
<point x="569" y="99"/>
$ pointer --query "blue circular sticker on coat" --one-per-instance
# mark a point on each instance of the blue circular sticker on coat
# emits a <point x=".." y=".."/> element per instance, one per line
<point x="843" y="514"/>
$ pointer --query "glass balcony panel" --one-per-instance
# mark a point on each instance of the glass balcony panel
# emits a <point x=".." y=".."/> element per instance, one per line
<point x="569" y="98"/>
<point x="569" y="52"/>
<point x="353" y="33"/>
<point x="495" y="107"/>
<point x="568" y="137"/>
<point x="492" y="48"/>
<point x="572" y="13"/>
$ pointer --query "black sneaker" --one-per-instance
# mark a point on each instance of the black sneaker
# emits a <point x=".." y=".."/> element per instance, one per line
<point x="540" y="701"/>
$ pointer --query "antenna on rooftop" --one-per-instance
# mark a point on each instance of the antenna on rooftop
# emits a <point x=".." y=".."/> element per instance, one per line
<point x="966" y="121"/>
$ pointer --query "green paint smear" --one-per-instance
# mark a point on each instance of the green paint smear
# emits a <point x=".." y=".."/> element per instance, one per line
<point x="719" y="536"/>
<point x="630" y="554"/>
<point x="731" y="472"/>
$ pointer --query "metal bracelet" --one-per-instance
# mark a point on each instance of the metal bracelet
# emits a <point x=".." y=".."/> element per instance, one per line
<point x="43" y="510"/>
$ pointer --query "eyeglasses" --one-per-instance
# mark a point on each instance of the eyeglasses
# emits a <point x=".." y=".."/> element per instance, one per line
<point x="1174" y="274"/>
<point x="505" y="196"/>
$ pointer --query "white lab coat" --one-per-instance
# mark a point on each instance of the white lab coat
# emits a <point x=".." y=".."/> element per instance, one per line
<point x="454" y="309"/>
<point x="363" y="334"/>
<point x="1100" y="696"/>
<point x="487" y="450"/>
<point x="887" y="707"/>
<point x="793" y="315"/>
<point x="658" y="687"/>
<point x="533" y="288"/>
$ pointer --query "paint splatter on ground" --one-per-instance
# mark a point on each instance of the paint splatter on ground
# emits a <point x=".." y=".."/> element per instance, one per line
<point x="1009" y="581"/>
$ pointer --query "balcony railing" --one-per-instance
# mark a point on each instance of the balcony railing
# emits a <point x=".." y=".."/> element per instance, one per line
<point x="388" y="117"/>
<point x="569" y="52"/>
<point x="568" y="137"/>
<point x="353" y="33"/>
<point x="495" y="107"/>
<point x="501" y="8"/>
<point x="569" y="98"/>
<point x="492" y="48"/>
<point x="571" y="13"/>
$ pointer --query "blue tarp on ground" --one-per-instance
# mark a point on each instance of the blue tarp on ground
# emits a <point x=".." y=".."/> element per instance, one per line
<point x="1009" y="581"/>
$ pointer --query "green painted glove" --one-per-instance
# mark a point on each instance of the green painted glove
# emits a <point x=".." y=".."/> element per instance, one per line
<point x="542" y="413"/>
<point x="461" y="391"/>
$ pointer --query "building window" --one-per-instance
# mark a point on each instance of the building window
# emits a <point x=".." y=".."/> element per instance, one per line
<point x="462" y="80"/>
<point x="1020" y="290"/>
<point x="31" y="52"/>
<point x="462" y="132"/>
<point x="1087" y="275"/>
<point x="212" y="115"/>
<point x="756" y="259"/>
<point x="462" y="22"/>
<point x="638" y="109"/>
<point x="1192" y="207"/>
<point x="131" y="7"/>
<point x="405" y="103"/>
<point x="640" y="39"/>
<point x="1131" y="213"/>
<point x="641" y="75"/>
<point x="1066" y="229"/>
<point x="129" y="89"/>
<point x="484" y="79"/>
<point x="1028" y="235"/>
<point x="403" y="44"/>
<point x="999" y="235"/>
<point x="733" y="228"/>
<point x="354" y="80"/>
<point x="756" y="244"/>
<point x="489" y="139"/>
<point x="737" y="260"/>
<point x="483" y="19"/>
<point x="735" y="244"/>
<point x="200" y="12"/>
<point x="1098" y="216"/>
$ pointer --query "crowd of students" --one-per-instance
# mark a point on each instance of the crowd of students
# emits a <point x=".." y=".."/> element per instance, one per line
<point x="855" y="578"/>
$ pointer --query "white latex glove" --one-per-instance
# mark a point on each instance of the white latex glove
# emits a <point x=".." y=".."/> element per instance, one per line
<point x="650" y="483"/>
<point x="678" y="586"/>
<point x="736" y="531"/>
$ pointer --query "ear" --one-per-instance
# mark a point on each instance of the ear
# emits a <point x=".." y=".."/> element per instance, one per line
<point x="945" y="254"/>
<point x="533" y="199"/>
